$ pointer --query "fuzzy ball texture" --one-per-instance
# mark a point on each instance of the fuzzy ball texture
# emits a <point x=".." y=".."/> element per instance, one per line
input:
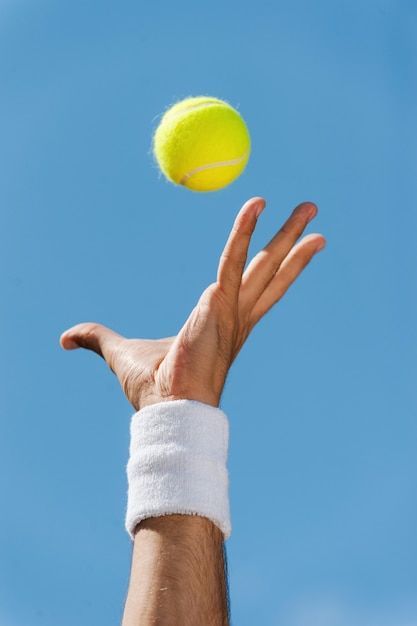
<point x="202" y="143"/>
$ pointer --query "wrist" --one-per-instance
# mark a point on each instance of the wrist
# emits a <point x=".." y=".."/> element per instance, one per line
<point x="178" y="463"/>
<point x="211" y="399"/>
<point x="177" y="525"/>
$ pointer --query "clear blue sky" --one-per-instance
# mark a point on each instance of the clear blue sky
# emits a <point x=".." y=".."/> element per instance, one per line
<point x="322" y="401"/>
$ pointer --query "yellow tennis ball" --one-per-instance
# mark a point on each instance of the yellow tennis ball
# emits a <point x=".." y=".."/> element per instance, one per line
<point x="202" y="143"/>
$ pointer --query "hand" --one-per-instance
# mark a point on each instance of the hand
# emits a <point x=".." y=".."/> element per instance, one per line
<point x="194" y="364"/>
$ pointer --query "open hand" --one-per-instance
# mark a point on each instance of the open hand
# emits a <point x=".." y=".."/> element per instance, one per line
<point x="193" y="365"/>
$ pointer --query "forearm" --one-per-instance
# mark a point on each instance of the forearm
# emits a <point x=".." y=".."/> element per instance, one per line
<point x="178" y="573"/>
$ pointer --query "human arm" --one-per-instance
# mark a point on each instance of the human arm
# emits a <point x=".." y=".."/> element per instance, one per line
<point x="194" y="365"/>
<point x="178" y="573"/>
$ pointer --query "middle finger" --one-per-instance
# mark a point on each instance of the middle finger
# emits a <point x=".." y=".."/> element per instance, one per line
<point x="265" y="264"/>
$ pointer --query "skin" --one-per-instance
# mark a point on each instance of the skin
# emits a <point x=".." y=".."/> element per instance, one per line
<point x="177" y="574"/>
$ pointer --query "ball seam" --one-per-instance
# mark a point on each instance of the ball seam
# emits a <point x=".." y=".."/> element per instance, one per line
<point x="210" y="166"/>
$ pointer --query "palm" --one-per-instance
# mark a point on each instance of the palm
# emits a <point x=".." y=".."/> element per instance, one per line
<point x="136" y="363"/>
<point x="194" y="364"/>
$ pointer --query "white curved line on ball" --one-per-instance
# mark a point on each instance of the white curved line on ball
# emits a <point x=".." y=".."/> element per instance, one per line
<point x="211" y="166"/>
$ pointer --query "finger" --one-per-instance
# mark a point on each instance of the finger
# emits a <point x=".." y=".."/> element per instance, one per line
<point x="91" y="336"/>
<point x="265" y="264"/>
<point x="290" y="269"/>
<point x="233" y="258"/>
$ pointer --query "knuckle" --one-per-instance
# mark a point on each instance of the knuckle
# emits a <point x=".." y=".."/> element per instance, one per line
<point x="287" y="228"/>
<point x="214" y="297"/>
<point x="89" y="337"/>
<point x="217" y="301"/>
<point x="211" y="292"/>
<point x="267" y="264"/>
<point x="229" y="257"/>
<point x="91" y="329"/>
<point x="88" y="334"/>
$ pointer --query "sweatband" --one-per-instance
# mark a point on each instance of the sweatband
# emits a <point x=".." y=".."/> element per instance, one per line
<point x="177" y="463"/>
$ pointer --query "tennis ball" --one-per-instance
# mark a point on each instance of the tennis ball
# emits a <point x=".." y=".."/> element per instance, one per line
<point x="202" y="143"/>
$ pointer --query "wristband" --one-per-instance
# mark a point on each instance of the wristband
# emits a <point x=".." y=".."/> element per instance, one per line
<point x="177" y="464"/>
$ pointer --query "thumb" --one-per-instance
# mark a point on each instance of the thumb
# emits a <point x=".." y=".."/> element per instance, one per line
<point x="92" y="336"/>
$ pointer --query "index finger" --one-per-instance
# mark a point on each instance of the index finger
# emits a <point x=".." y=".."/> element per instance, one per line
<point x="234" y="255"/>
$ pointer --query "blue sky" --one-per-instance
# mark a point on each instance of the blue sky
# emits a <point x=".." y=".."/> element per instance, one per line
<point x="322" y="401"/>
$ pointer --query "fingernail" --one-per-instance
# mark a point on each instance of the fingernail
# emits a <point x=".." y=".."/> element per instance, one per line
<point x="311" y="213"/>
<point x="321" y="246"/>
<point x="259" y="209"/>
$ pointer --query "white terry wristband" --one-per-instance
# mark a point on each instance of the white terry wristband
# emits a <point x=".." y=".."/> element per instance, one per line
<point x="177" y="464"/>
